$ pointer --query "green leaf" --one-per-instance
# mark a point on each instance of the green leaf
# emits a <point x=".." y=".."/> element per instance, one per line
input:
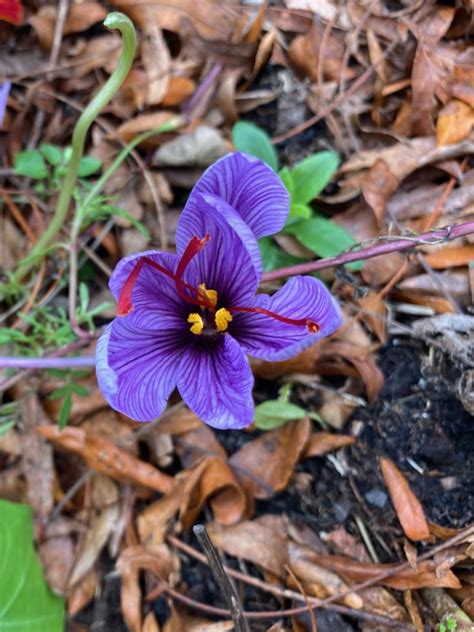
<point x="285" y="177"/>
<point x="311" y="175"/>
<point x="88" y="166"/>
<point x="252" y="140"/>
<point x="27" y="604"/>
<point x="323" y="237"/>
<point x="84" y="296"/>
<point x="299" y="211"/>
<point x="31" y="163"/>
<point x="52" y="153"/>
<point x="274" y="257"/>
<point x="275" y="413"/>
<point x="65" y="410"/>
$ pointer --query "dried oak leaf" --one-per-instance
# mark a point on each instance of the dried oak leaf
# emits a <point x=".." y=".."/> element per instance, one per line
<point x="409" y="510"/>
<point x="265" y="465"/>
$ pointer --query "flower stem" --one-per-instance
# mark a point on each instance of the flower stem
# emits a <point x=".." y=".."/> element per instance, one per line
<point x="122" y="23"/>
<point x="395" y="244"/>
<point x="12" y="362"/>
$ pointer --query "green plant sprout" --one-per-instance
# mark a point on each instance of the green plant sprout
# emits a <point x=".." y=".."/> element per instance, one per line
<point x="274" y="413"/>
<point x="305" y="181"/>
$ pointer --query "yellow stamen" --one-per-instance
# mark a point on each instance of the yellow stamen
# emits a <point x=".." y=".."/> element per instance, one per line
<point x="197" y="324"/>
<point x="222" y="318"/>
<point x="211" y="295"/>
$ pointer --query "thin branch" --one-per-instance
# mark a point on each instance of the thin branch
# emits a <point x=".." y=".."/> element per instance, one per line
<point x="221" y="578"/>
<point x="392" y="244"/>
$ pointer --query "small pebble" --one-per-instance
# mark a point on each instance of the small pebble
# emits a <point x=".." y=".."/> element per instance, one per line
<point x="376" y="497"/>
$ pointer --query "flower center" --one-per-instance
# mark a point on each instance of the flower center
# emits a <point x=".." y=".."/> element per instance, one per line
<point x="200" y="296"/>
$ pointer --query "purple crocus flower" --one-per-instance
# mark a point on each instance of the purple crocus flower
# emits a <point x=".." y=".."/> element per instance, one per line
<point x="188" y="320"/>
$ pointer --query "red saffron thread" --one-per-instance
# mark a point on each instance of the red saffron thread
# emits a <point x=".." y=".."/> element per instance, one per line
<point x="302" y="322"/>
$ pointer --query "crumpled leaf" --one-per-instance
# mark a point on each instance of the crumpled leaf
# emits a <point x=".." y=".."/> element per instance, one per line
<point x="455" y="122"/>
<point x="409" y="510"/>
<point x="265" y="465"/>
<point x="107" y="458"/>
<point x="427" y="573"/>
<point x="323" y="442"/>
<point x="161" y="562"/>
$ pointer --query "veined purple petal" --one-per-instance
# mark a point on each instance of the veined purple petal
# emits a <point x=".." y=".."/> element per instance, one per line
<point x="250" y="187"/>
<point x="217" y="384"/>
<point x="4" y="92"/>
<point x="136" y="369"/>
<point x="301" y="297"/>
<point x="230" y="262"/>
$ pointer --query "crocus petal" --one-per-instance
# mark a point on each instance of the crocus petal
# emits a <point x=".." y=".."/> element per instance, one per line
<point x="217" y="384"/>
<point x="301" y="297"/>
<point x="250" y="187"/>
<point x="136" y="369"/>
<point x="230" y="262"/>
<point x="156" y="304"/>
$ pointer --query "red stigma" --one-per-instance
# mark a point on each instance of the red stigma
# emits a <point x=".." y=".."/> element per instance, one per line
<point x="125" y="305"/>
<point x="311" y="325"/>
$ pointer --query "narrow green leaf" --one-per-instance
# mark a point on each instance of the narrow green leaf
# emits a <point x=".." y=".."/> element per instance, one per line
<point x="5" y="426"/>
<point x="252" y="140"/>
<point x="275" y="413"/>
<point x="65" y="411"/>
<point x="30" y="163"/>
<point x="323" y="237"/>
<point x="52" y="153"/>
<point x="311" y="175"/>
<point x="88" y="166"/>
<point x="27" y="604"/>
<point x="84" y="296"/>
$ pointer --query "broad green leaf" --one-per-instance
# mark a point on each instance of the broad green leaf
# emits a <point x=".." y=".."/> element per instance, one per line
<point x="275" y="413"/>
<point x="88" y="166"/>
<point x="26" y="603"/>
<point x="311" y="175"/>
<point x="31" y="163"/>
<point x="323" y="236"/>
<point x="52" y="153"/>
<point x="252" y="140"/>
<point x="274" y="257"/>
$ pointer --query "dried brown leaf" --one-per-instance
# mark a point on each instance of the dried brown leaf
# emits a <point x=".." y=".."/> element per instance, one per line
<point x="261" y="542"/>
<point x="142" y="123"/>
<point x="455" y="122"/>
<point x="409" y="510"/>
<point x="179" y="89"/>
<point x="317" y="580"/>
<point x="265" y="465"/>
<point x="426" y="574"/>
<point x="323" y="442"/>
<point x="450" y="257"/>
<point x="107" y="458"/>
<point x="82" y="593"/>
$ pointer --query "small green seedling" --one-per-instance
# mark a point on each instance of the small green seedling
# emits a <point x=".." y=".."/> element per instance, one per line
<point x="276" y="412"/>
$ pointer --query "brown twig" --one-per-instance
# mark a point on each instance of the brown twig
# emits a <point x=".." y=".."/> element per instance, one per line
<point x="18" y="217"/>
<point x="277" y="591"/>
<point x="392" y="244"/>
<point x="221" y="578"/>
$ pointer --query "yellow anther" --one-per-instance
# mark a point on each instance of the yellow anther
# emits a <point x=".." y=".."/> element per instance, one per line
<point x="211" y="295"/>
<point x="222" y="318"/>
<point x="197" y="324"/>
